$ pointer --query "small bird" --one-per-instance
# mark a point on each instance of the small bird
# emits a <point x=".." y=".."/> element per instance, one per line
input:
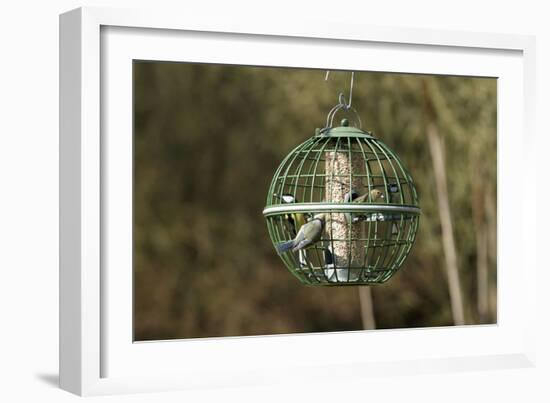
<point x="294" y="220"/>
<point x="350" y="196"/>
<point x="393" y="188"/>
<point x="375" y="195"/>
<point x="286" y="198"/>
<point x="309" y="234"/>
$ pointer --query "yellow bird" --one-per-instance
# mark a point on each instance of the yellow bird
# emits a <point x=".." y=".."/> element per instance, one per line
<point x="371" y="197"/>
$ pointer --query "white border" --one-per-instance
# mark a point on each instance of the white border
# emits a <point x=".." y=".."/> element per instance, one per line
<point x="131" y="367"/>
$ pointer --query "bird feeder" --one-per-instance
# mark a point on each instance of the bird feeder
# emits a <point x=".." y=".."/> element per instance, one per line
<point x="366" y="195"/>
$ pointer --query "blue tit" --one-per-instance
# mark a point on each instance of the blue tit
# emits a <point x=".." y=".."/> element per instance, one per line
<point x="294" y="220"/>
<point x="309" y="234"/>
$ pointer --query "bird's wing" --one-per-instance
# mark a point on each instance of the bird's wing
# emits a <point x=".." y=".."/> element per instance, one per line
<point x="300" y="237"/>
<point x="302" y="244"/>
<point x="362" y="198"/>
<point x="350" y="196"/>
<point x="303" y="238"/>
<point x="316" y="231"/>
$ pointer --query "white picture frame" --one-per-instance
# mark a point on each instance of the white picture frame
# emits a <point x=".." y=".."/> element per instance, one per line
<point x="97" y="353"/>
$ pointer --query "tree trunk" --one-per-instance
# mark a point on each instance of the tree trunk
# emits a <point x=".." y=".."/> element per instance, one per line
<point x="449" y="247"/>
<point x="367" y="309"/>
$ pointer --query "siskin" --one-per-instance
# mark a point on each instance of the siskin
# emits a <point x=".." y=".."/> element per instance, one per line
<point x="373" y="196"/>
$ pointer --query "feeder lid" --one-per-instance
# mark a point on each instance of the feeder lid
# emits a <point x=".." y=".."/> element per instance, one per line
<point x="344" y="130"/>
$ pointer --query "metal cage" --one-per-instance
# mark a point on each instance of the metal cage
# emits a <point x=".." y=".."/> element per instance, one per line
<point x="369" y="203"/>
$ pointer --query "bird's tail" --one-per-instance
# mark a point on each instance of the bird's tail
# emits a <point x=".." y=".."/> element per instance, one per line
<point x="285" y="246"/>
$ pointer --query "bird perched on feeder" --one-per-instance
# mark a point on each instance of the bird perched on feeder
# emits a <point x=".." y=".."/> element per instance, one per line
<point x="294" y="220"/>
<point x="309" y="234"/>
<point x="350" y="196"/>
<point x="393" y="188"/>
<point x="373" y="196"/>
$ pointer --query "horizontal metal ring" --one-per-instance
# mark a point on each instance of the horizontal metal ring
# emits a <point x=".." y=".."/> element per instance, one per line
<point x="338" y="207"/>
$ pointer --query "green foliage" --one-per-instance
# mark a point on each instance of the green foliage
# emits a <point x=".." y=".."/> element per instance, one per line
<point x="208" y="139"/>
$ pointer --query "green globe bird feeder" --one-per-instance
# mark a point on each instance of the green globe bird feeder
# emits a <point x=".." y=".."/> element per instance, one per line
<point x="368" y="198"/>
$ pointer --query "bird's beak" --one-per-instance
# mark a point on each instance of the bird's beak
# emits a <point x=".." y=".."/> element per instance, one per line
<point x="381" y="196"/>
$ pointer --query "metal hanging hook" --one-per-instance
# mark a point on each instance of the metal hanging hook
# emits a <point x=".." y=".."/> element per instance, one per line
<point x="342" y="104"/>
<point x="341" y="99"/>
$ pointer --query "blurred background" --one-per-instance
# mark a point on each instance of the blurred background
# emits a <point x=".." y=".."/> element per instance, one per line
<point x="207" y="141"/>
